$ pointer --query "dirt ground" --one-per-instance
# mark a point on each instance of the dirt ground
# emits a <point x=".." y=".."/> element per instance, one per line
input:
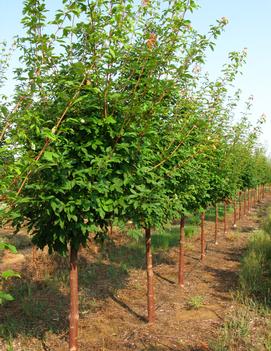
<point x="113" y="297"/>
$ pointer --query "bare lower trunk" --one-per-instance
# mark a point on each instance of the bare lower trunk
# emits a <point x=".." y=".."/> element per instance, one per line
<point x="240" y="205"/>
<point x="225" y="217"/>
<point x="202" y="235"/>
<point x="248" y="200"/>
<point x="244" y="201"/>
<point x="216" y="223"/>
<point x="34" y="261"/>
<point x="74" y="312"/>
<point x="234" y="213"/>
<point x="255" y="197"/>
<point x="181" y="254"/>
<point x="150" y="288"/>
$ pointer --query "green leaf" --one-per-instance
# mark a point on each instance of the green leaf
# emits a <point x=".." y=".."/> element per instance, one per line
<point x="5" y="246"/>
<point x="10" y="273"/>
<point x="5" y="297"/>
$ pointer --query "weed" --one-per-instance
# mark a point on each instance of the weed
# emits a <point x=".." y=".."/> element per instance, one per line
<point x="267" y="222"/>
<point x="33" y="308"/>
<point x="135" y="234"/>
<point x="138" y="285"/>
<point x="21" y="241"/>
<point x="8" y="329"/>
<point x="248" y="324"/>
<point x="188" y="246"/>
<point x="190" y="231"/>
<point x="231" y="236"/>
<point x="255" y="273"/>
<point x="195" y="302"/>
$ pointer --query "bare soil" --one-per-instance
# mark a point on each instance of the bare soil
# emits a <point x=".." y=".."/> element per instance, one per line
<point x="113" y="297"/>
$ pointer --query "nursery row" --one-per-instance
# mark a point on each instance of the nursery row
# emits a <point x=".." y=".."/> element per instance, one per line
<point x="113" y="120"/>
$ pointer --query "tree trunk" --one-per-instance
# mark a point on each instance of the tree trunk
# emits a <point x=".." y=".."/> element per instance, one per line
<point x="34" y="261"/>
<point x="244" y="201"/>
<point x="216" y="223"/>
<point x="240" y="205"/>
<point x="225" y="217"/>
<point x="234" y="213"/>
<point x="202" y="235"/>
<point x="181" y="254"/>
<point x="150" y="288"/>
<point x="74" y="312"/>
<point x="248" y="200"/>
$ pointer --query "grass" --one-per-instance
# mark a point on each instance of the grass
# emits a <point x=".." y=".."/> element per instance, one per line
<point x="162" y="238"/>
<point x="248" y="326"/>
<point x="20" y="241"/>
<point x="210" y="213"/>
<point x="255" y="273"/>
<point x="168" y="237"/>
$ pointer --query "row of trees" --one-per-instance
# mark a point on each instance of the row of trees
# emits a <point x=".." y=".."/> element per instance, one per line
<point x="112" y="120"/>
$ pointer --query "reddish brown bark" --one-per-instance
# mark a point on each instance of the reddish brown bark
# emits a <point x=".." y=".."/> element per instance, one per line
<point x="34" y="261"/>
<point x="181" y="254"/>
<point x="216" y="223"/>
<point x="244" y="201"/>
<point x="234" y="213"/>
<point x="248" y="200"/>
<point x="240" y="205"/>
<point x="255" y="196"/>
<point x="150" y="285"/>
<point x="225" y="217"/>
<point x="202" y="235"/>
<point x="74" y="312"/>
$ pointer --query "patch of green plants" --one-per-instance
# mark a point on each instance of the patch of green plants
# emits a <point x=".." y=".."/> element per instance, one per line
<point x="195" y="302"/>
<point x="165" y="238"/>
<point x="193" y="220"/>
<point x="190" y="231"/>
<point x="210" y="212"/>
<point x="21" y="241"/>
<point x="246" y="327"/>
<point x="267" y="222"/>
<point x="4" y="295"/>
<point x="170" y="237"/>
<point x="255" y="273"/>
